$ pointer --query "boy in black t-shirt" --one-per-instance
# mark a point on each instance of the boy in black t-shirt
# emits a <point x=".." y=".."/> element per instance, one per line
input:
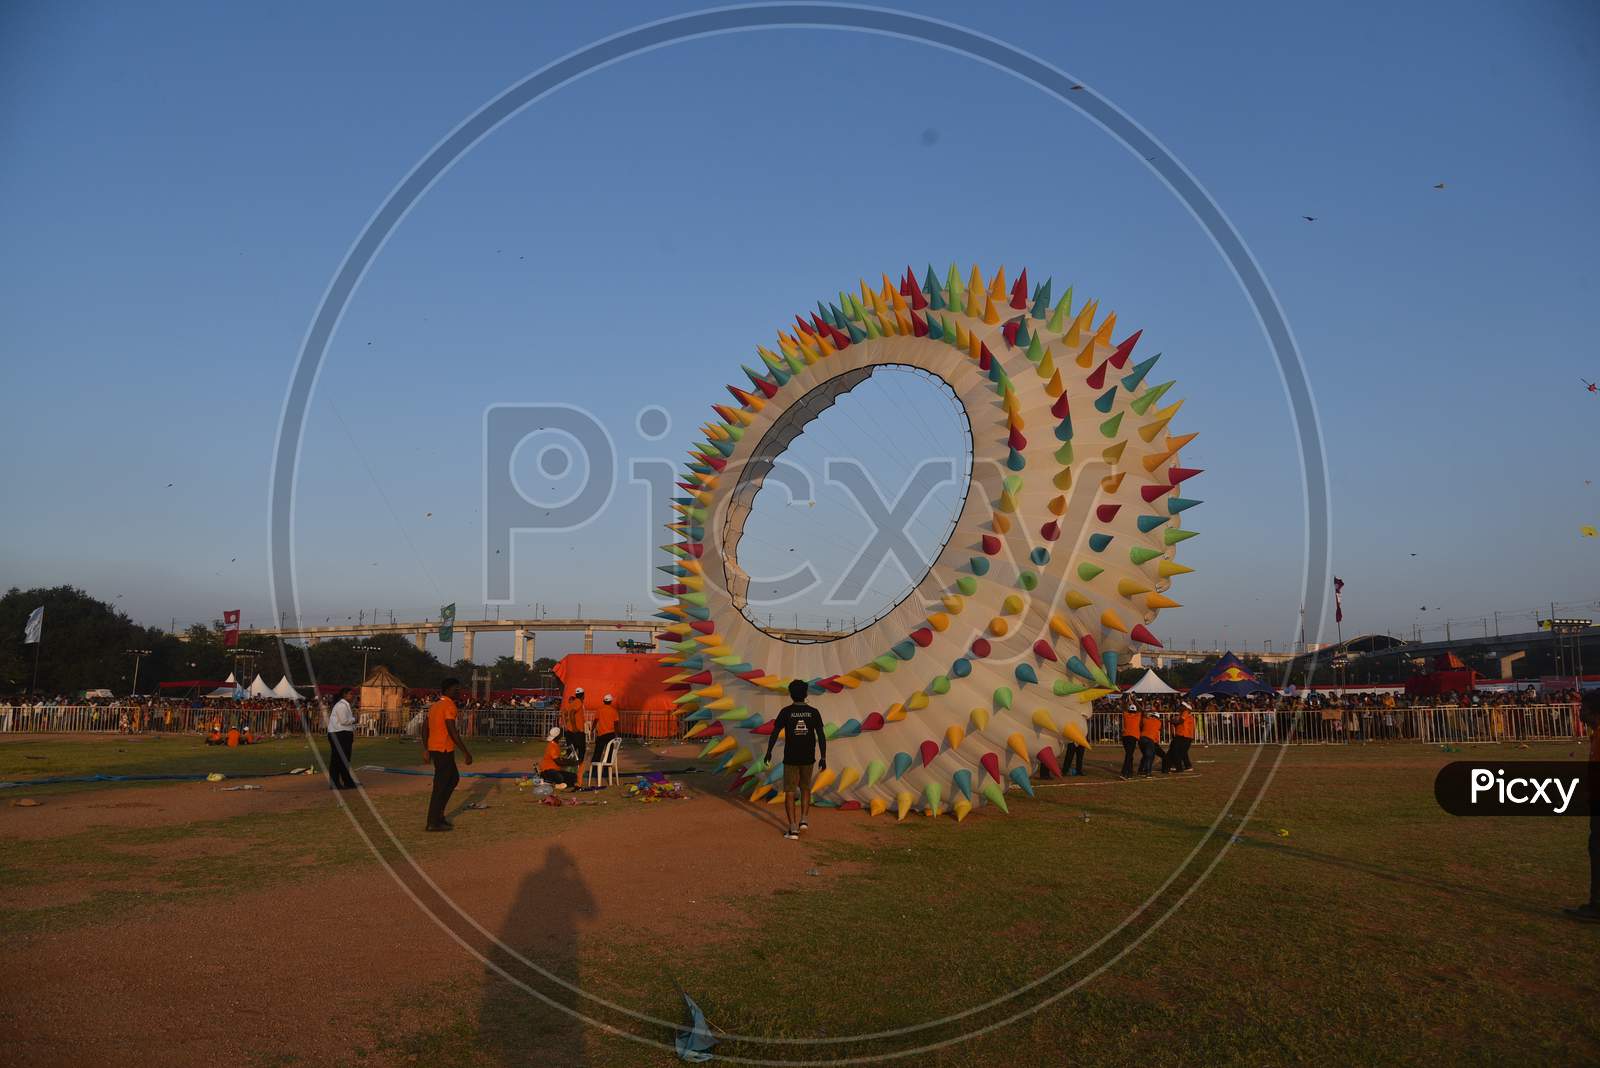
<point x="801" y="726"/>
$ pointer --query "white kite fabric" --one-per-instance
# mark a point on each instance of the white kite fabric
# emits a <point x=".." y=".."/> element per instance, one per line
<point x="1061" y="556"/>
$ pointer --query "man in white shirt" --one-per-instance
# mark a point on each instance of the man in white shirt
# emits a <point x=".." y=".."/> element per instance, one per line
<point x="341" y="742"/>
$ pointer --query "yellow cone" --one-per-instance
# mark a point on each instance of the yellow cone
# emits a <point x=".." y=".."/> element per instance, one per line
<point x="954" y="735"/>
<point x="903" y="803"/>
<point x="1017" y="746"/>
<point x="1074" y="733"/>
<point x="961" y="806"/>
<point x="1042" y="720"/>
<point x="877" y="806"/>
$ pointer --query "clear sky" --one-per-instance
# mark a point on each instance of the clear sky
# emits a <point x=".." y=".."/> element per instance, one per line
<point x="179" y="182"/>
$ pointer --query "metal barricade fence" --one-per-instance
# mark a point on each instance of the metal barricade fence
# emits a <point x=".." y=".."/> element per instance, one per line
<point x="1433" y="725"/>
<point x="47" y="718"/>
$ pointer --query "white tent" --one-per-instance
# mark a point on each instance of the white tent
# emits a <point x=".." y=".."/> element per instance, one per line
<point x="285" y="692"/>
<point x="1150" y="682"/>
<point x="259" y="688"/>
<point x="227" y="689"/>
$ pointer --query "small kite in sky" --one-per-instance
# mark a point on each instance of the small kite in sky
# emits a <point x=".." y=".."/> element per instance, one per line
<point x="1439" y="186"/>
<point x="1588" y="530"/>
<point x="1590" y="386"/>
<point x="1309" y="218"/>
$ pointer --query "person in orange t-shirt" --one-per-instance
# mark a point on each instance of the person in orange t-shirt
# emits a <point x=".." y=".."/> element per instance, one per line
<point x="440" y="740"/>
<point x="572" y="717"/>
<point x="1182" y="739"/>
<point x="1150" y="743"/>
<point x="553" y="767"/>
<point x="1130" y="738"/>
<point x="605" y="726"/>
<point x="1589" y="713"/>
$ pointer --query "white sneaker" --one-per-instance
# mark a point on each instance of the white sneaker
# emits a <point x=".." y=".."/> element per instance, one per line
<point x="791" y="833"/>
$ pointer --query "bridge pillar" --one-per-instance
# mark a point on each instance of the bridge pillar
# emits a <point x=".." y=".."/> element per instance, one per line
<point x="588" y="639"/>
<point x="518" y="638"/>
<point x="529" y="648"/>
<point x="466" y="644"/>
<point x="1508" y="660"/>
<point x="421" y="638"/>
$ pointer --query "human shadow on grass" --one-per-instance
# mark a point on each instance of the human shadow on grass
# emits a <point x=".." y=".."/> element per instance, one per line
<point x="516" y="1027"/>
<point x="475" y="794"/>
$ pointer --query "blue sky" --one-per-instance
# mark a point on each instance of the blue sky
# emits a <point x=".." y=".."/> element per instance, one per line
<point x="178" y="185"/>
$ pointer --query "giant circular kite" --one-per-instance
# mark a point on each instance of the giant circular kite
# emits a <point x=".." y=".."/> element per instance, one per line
<point x="1061" y="555"/>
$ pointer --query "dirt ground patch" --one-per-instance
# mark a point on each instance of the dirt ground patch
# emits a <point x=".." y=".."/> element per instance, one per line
<point x="254" y="972"/>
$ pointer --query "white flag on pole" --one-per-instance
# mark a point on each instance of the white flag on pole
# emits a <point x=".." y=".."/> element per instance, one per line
<point x="35" y="627"/>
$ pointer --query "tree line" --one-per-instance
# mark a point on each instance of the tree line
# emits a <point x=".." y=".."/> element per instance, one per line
<point x="87" y="641"/>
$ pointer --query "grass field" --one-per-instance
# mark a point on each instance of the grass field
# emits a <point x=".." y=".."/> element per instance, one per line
<point x="1350" y="922"/>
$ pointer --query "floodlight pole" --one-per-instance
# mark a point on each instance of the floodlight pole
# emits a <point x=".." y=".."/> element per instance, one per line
<point x="138" y="655"/>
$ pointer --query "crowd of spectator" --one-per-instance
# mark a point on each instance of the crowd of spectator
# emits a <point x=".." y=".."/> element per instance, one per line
<point x="1333" y="716"/>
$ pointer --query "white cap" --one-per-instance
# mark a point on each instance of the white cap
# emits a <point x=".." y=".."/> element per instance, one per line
<point x="606" y="699"/>
<point x="578" y="692"/>
<point x="555" y="733"/>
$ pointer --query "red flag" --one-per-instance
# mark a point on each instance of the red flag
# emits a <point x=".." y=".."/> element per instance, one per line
<point x="230" y="628"/>
<point x="1338" y="599"/>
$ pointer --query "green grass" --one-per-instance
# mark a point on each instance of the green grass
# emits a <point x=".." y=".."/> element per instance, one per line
<point x="1379" y="931"/>
<point x="104" y="875"/>
<point x="23" y="757"/>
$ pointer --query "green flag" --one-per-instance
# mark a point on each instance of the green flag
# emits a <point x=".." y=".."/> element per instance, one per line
<point x="447" y="622"/>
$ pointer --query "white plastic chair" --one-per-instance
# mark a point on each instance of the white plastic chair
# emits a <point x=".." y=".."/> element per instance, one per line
<point x="603" y="772"/>
<point x="368" y="725"/>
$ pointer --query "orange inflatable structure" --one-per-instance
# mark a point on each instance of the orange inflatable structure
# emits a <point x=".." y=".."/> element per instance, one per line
<point x="637" y="683"/>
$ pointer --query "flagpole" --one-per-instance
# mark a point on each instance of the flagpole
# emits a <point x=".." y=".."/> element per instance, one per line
<point x="38" y="647"/>
<point x="1338" y="633"/>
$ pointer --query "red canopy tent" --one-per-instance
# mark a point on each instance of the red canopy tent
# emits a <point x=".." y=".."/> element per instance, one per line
<point x="1449" y="675"/>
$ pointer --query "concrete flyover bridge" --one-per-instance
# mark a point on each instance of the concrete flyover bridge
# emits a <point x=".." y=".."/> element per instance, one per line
<point x="524" y="632"/>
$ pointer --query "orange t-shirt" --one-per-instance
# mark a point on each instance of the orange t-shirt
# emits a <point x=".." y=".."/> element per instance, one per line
<point x="439" y="740"/>
<point x="548" y="761"/>
<point x="572" y="715"/>
<point x="1150" y="727"/>
<point x="1184" y="728"/>
<point x="1130" y="724"/>
<point x="605" y="720"/>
